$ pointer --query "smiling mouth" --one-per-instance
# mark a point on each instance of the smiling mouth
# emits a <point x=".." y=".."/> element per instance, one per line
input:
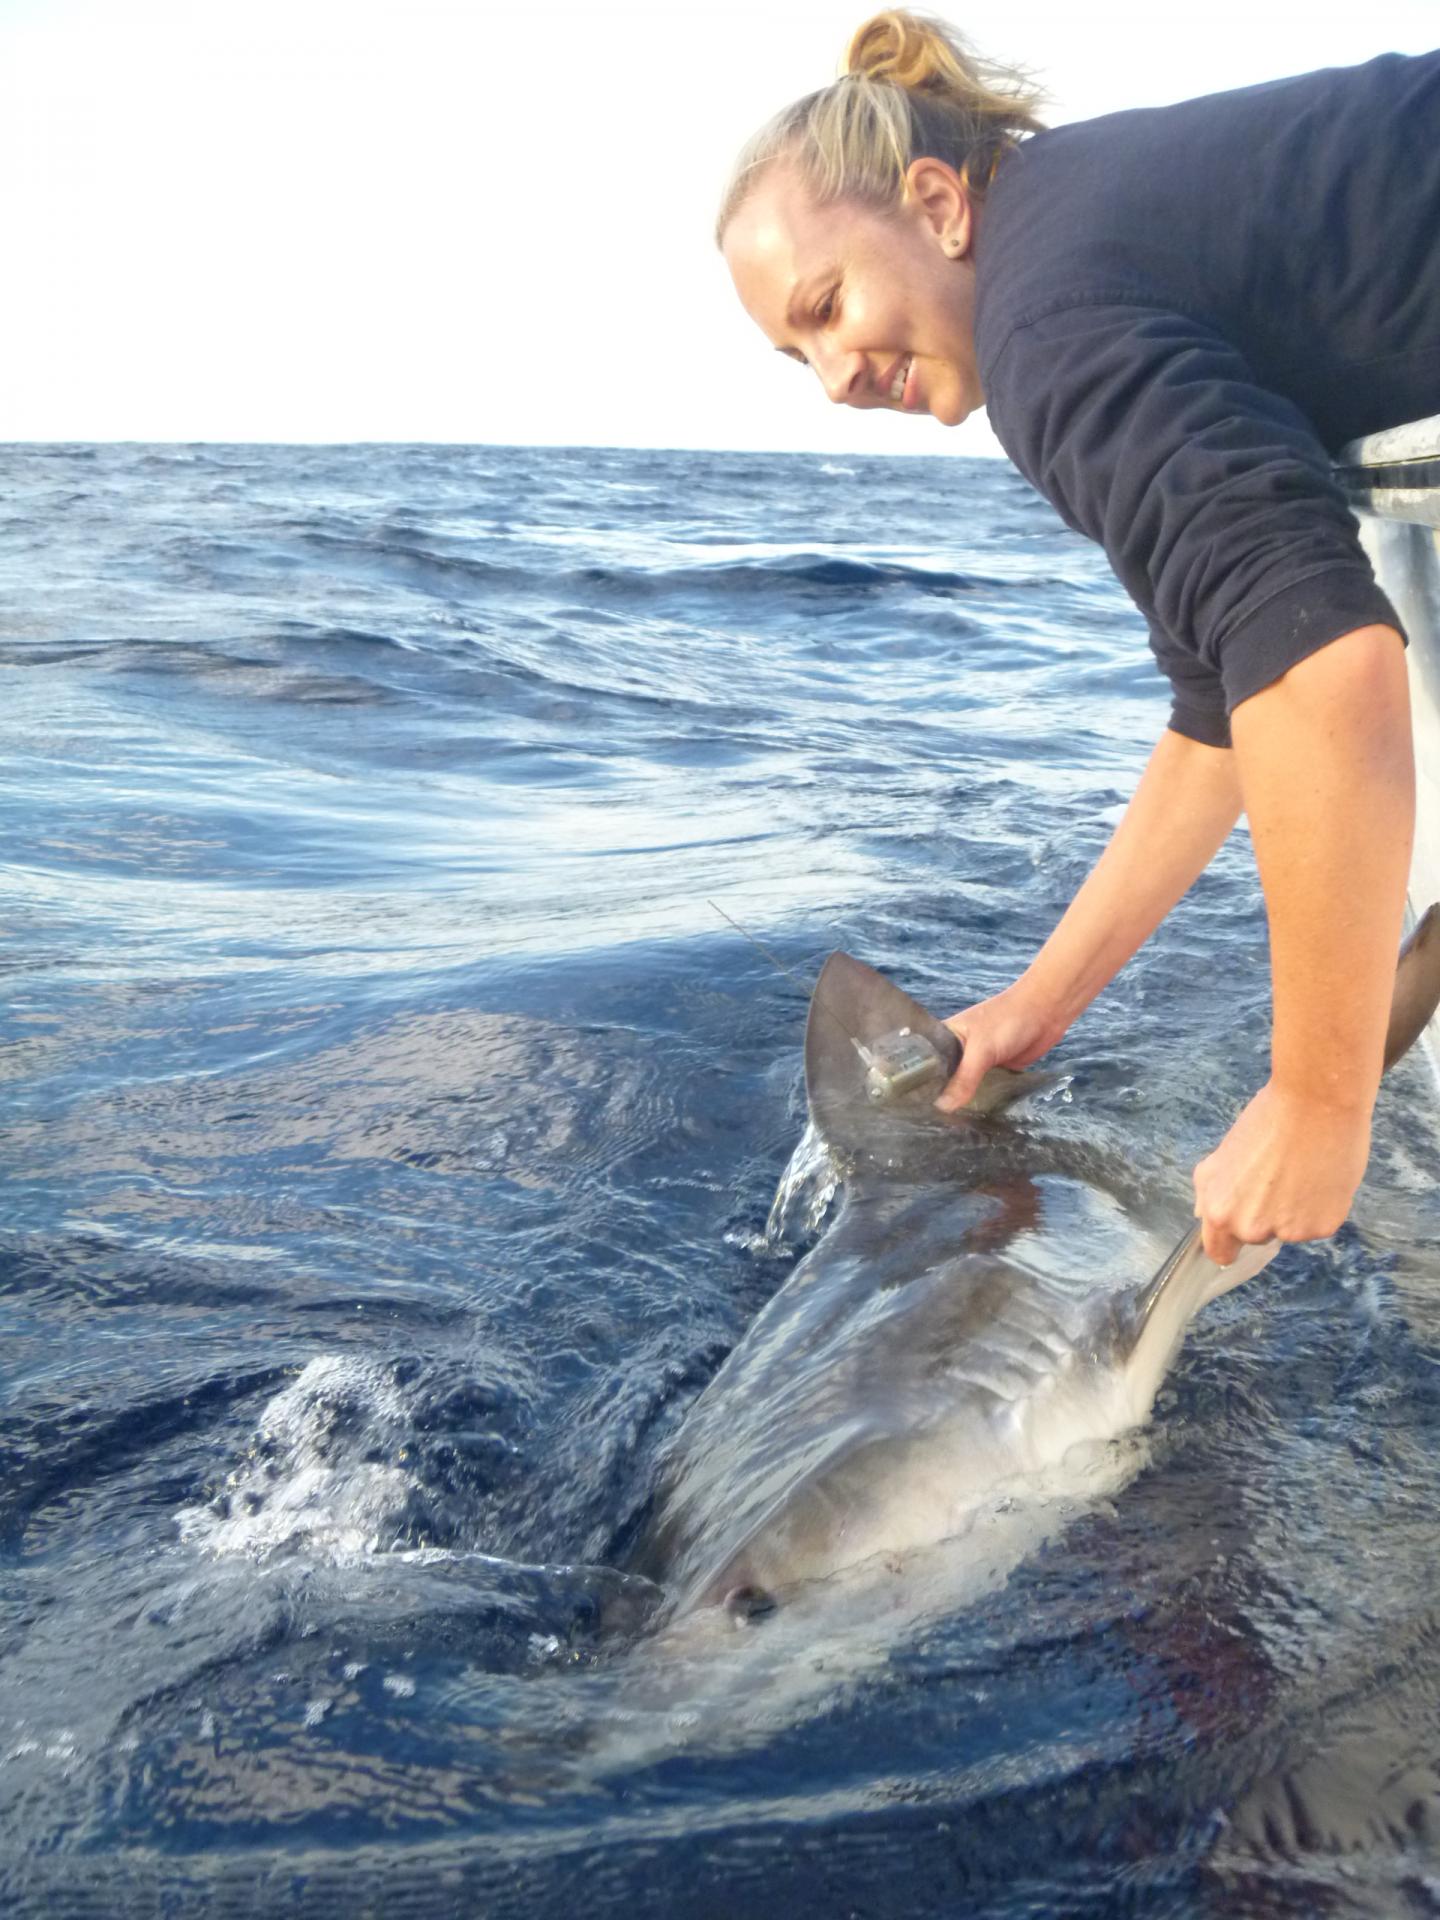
<point x="897" y="385"/>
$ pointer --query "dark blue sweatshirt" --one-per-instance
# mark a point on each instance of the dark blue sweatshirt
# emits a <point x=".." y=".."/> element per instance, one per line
<point x="1182" y="313"/>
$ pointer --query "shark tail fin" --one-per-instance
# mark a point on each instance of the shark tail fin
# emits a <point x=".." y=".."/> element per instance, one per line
<point x="1190" y="1279"/>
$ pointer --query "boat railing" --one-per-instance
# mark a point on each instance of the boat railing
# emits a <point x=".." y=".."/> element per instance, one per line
<point x="1395" y="475"/>
<point x="1393" y="482"/>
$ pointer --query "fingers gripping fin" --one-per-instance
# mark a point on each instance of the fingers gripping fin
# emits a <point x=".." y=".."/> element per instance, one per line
<point x="871" y="1049"/>
<point x="1190" y="1279"/>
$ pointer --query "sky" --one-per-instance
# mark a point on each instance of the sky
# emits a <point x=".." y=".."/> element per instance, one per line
<point x="461" y="221"/>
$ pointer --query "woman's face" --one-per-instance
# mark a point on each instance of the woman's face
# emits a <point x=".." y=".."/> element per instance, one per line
<point x="880" y="304"/>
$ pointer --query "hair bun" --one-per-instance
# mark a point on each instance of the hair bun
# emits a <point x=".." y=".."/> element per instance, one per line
<point x="909" y="86"/>
<point x="912" y="51"/>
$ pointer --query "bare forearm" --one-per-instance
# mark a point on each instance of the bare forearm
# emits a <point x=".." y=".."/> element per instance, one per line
<point x="1325" y="765"/>
<point x="1186" y="803"/>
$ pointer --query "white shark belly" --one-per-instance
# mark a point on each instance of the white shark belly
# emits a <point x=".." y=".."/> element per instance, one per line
<point x="880" y="1399"/>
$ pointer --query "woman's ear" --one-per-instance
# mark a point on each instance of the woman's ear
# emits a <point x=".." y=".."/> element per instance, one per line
<point x="942" y="201"/>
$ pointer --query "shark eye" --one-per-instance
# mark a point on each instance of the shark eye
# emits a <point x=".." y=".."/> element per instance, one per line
<point x="747" y="1604"/>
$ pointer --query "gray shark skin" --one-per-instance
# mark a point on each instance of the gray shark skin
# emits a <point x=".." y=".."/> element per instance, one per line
<point x="976" y="1330"/>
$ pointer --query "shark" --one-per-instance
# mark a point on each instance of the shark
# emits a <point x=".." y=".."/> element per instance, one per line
<point x="988" y="1314"/>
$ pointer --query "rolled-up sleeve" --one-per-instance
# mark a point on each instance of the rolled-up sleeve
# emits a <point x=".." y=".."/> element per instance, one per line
<point x="1211" y="494"/>
<point x="1197" y="705"/>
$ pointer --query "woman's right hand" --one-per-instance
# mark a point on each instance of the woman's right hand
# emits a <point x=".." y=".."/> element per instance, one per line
<point x="1010" y="1030"/>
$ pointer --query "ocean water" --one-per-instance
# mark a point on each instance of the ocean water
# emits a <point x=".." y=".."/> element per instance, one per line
<point x="391" y="1124"/>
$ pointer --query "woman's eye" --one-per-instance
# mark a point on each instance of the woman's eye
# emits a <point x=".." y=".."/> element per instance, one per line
<point x="826" y="309"/>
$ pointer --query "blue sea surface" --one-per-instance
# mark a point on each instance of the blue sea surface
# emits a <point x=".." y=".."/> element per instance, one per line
<point x="391" y="1122"/>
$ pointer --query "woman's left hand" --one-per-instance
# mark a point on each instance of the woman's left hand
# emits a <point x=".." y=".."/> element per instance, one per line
<point x="1286" y="1170"/>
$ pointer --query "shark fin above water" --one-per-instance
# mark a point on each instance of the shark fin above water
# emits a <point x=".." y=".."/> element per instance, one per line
<point x="854" y="1011"/>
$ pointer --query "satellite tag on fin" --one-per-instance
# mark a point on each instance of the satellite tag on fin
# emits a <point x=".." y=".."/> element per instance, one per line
<point x="873" y="1054"/>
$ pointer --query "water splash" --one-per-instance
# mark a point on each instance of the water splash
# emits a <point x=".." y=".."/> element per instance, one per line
<point x="804" y="1196"/>
<point x="323" y="1474"/>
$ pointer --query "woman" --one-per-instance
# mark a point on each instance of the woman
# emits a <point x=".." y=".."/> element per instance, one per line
<point x="1174" y="317"/>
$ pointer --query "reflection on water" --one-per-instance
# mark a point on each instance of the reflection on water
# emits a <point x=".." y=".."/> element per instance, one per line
<point x="392" y="1131"/>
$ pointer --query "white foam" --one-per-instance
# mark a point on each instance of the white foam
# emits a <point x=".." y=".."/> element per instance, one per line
<point x="311" y="1481"/>
<point x="802" y="1199"/>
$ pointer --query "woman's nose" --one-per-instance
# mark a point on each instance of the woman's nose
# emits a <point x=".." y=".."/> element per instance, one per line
<point x="840" y="374"/>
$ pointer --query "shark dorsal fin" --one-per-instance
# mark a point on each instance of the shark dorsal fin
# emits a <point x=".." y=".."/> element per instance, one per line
<point x="852" y="1008"/>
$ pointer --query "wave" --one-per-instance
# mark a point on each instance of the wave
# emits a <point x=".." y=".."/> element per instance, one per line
<point x="424" y="567"/>
<point x="793" y="573"/>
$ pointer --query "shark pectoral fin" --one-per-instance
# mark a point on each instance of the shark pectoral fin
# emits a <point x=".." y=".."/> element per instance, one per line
<point x="1417" y="986"/>
<point x="1247" y="1263"/>
<point x="1189" y="1280"/>
<point x="1162" y="1312"/>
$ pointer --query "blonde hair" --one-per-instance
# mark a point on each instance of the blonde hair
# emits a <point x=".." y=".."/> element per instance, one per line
<point x="909" y="87"/>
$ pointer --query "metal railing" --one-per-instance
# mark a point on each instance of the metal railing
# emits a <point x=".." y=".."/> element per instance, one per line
<point x="1393" y="481"/>
<point x="1395" y="475"/>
